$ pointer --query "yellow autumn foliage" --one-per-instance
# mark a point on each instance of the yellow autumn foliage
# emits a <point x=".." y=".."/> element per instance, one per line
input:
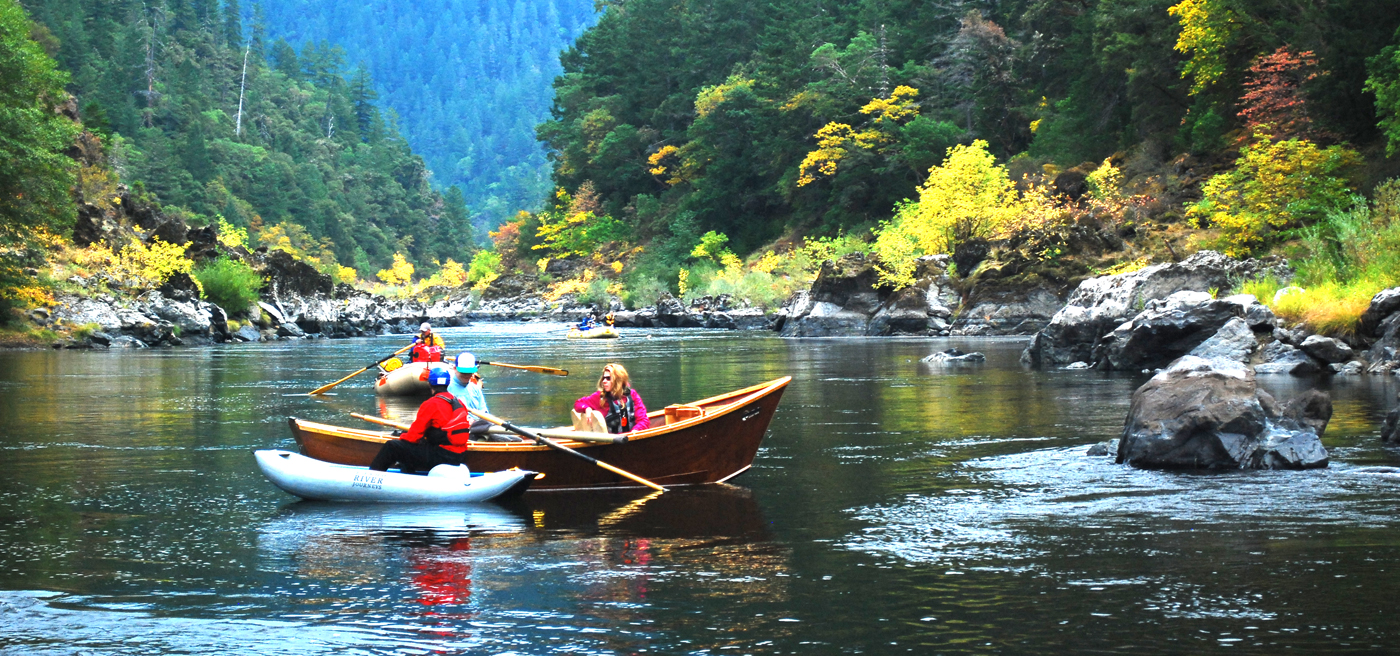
<point x="969" y="195"/>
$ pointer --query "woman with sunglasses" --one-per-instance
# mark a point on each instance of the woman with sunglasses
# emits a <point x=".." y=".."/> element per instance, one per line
<point x="614" y="408"/>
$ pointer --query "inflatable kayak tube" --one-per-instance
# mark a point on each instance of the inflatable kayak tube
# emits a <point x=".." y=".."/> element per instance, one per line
<point x="601" y="332"/>
<point x="408" y="380"/>
<point x="317" y="480"/>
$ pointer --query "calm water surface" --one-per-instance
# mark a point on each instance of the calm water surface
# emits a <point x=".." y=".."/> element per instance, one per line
<point x="894" y="507"/>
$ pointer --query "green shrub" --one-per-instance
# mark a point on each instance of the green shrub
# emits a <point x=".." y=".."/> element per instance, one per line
<point x="229" y="284"/>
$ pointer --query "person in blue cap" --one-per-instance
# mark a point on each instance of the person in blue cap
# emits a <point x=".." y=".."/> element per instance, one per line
<point x="437" y="436"/>
<point x="466" y="386"/>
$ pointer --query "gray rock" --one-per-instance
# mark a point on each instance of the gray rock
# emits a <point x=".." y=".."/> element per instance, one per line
<point x="290" y="329"/>
<point x="1281" y="358"/>
<point x="1383" y="305"/>
<point x="1008" y="312"/>
<point x="1099" y="305"/>
<point x="1390" y="430"/>
<point x="127" y="341"/>
<point x="1353" y="368"/>
<point x="1165" y="330"/>
<point x="1234" y="341"/>
<point x="840" y="303"/>
<point x="1326" y="349"/>
<point x="954" y="356"/>
<point x="1077" y="365"/>
<point x="247" y="333"/>
<point x="1105" y="448"/>
<point x="1209" y="414"/>
<point x="99" y="338"/>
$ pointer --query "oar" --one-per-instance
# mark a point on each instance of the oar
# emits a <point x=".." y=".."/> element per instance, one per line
<point x="527" y="367"/>
<point x="381" y="422"/>
<point x="323" y="388"/>
<point x="559" y="447"/>
<point x="577" y="436"/>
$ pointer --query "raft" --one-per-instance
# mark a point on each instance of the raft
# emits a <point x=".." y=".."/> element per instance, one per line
<point x="409" y="380"/>
<point x="317" y="480"/>
<point x="711" y="440"/>
<point x="601" y="332"/>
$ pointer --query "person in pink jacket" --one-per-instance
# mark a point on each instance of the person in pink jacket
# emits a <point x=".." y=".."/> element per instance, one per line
<point x="614" y="408"/>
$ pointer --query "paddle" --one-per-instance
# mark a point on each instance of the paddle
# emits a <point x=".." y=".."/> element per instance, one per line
<point x="526" y="367"/>
<point x="577" y="436"/>
<point x="559" y="447"/>
<point x="323" y="388"/>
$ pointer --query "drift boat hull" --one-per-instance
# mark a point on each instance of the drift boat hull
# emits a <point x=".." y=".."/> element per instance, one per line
<point x="708" y="441"/>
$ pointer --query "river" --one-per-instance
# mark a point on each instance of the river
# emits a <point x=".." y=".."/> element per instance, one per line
<point x="895" y="507"/>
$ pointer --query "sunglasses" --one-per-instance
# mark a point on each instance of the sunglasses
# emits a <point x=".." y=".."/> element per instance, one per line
<point x="606" y="377"/>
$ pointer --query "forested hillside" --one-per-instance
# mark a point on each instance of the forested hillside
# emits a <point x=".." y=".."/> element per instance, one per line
<point x="201" y="111"/>
<point x="732" y="94"/>
<point x="1248" y="126"/>
<point x="468" y="81"/>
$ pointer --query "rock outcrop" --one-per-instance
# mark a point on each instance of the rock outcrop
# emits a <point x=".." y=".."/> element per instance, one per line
<point x="1203" y="413"/>
<point x="1169" y="328"/>
<point x="1101" y="305"/>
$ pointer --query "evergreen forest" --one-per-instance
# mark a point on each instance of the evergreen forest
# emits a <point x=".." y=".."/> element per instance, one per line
<point x="206" y="116"/>
<point x="468" y="82"/>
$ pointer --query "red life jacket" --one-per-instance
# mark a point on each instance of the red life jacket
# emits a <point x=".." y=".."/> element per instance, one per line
<point x="427" y="353"/>
<point x="454" y="433"/>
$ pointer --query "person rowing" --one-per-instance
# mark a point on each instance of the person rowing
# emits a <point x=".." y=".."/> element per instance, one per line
<point x="438" y="435"/>
<point x="427" y="346"/>
<point x="614" y="408"/>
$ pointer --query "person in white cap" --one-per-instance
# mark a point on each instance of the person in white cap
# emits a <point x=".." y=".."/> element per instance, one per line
<point x="466" y="386"/>
<point x="427" y="346"/>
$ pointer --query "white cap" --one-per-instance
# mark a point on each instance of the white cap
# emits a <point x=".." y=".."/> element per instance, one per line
<point x="425" y="326"/>
<point x="466" y="363"/>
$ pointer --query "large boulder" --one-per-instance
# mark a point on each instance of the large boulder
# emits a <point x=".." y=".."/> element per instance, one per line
<point x="1099" y="305"/>
<point x="1203" y="413"/>
<point x="1165" y="330"/>
<point x="840" y="303"/>
<point x="1007" y="311"/>
<point x="1280" y="357"/>
<point x="1234" y="341"/>
<point x="287" y="276"/>
<point x="672" y="313"/>
<point x="1326" y="349"/>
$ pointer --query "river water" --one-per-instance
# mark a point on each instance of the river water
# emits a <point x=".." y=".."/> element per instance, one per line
<point x="895" y="507"/>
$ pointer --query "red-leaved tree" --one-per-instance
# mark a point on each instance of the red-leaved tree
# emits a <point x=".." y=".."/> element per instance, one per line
<point x="1274" y="101"/>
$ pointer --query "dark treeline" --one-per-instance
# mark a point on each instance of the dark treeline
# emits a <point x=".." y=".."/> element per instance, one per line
<point x="468" y="80"/>
<point x="698" y="115"/>
<point x="290" y="138"/>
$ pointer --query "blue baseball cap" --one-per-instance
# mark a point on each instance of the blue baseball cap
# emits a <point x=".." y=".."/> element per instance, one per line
<point x="439" y="377"/>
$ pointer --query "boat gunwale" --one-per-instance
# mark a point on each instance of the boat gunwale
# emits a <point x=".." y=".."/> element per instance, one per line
<point x="741" y="397"/>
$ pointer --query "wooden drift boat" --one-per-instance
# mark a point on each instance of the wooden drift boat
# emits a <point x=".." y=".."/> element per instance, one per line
<point x="709" y="441"/>
<point x="323" y="481"/>
<point x="601" y="332"/>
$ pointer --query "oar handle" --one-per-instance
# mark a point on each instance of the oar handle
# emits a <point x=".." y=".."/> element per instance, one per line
<point x="550" y="443"/>
<point x="381" y="422"/>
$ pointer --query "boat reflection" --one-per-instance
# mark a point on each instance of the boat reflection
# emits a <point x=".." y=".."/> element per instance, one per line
<point x="612" y="553"/>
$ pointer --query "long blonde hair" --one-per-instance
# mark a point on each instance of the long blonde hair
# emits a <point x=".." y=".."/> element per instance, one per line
<point x="621" y="383"/>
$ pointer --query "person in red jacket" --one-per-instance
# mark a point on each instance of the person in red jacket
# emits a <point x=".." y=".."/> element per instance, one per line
<point x="438" y="435"/>
<point x="614" y="408"/>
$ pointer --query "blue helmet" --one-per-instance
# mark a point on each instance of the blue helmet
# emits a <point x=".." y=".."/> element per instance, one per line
<point x="438" y="377"/>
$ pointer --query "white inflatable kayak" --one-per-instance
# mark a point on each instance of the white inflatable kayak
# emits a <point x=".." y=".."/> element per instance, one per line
<point x="314" y="479"/>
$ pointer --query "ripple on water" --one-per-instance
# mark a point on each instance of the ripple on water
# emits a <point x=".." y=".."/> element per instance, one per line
<point x="1009" y="511"/>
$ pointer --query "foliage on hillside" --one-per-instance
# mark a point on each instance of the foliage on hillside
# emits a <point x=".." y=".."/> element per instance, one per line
<point x="216" y="121"/>
<point x="468" y="81"/>
<point x="34" y="174"/>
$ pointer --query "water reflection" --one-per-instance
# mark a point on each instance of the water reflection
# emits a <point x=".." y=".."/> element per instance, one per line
<point x="895" y="507"/>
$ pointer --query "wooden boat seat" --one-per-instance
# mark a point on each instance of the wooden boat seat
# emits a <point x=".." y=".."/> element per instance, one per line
<point x="678" y="412"/>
